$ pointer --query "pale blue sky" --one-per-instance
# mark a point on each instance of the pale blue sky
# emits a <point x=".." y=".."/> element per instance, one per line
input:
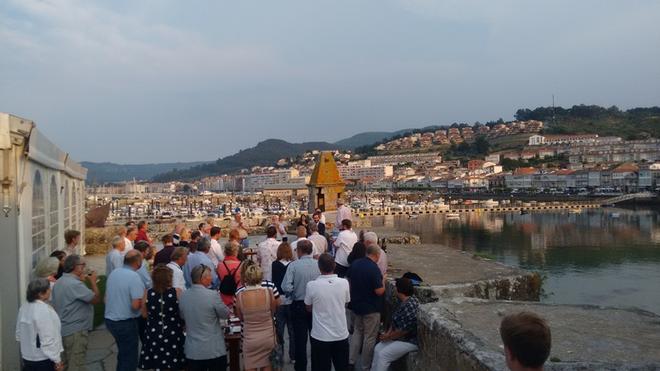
<point x="135" y="81"/>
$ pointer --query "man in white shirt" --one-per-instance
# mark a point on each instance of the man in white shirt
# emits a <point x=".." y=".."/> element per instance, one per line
<point x="301" y="232"/>
<point x="115" y="257"/>
<point x="129" y="240"/>
<point x="343" y="213"/>
<point x="343" y="247"/>
<point x="179" y="258"/>
<point x="267" y="253"/>
<point x="326" y="297"/>
<point x="216" y="253"/>
<point x="319" y="242"/>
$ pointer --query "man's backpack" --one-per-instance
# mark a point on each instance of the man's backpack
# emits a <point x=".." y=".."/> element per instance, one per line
<point x="228" y="284"/>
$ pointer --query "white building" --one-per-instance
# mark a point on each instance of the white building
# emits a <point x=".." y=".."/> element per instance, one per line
<point x="43" y="193"/>
<point x="257" y="182"/>
<point x="365" y="172"/>
<point x="405" y="158"/>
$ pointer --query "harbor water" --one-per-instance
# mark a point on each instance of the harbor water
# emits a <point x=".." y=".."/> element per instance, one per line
<point x="604" y="257"/>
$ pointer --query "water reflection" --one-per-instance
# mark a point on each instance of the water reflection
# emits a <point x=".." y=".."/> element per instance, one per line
<point x="598" y="256"/>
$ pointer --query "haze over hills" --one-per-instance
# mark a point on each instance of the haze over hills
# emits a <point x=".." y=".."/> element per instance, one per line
<point x="108" y="172"/>
<point x="636" y="123"/>
<point x="264" y="153"/>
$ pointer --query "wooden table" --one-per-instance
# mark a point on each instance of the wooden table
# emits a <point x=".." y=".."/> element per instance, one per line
<point x="234" y="342"/>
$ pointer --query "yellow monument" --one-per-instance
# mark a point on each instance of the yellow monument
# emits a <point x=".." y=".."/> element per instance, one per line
<point x="325" y="185"/>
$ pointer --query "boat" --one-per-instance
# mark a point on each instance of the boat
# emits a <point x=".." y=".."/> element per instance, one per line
<point x="413" y="216"/>
<point x="575" y="211"/>
<point x="453" y="216"/>
<point x="615" y="215"/>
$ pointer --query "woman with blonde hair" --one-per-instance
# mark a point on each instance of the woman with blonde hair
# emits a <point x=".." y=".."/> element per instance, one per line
<point x="184" y="237"/>
<point x="255" y="306"/>
<point x="229" y="273"/>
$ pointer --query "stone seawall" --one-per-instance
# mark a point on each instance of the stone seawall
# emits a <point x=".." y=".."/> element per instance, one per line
<point x="465" y="298"/>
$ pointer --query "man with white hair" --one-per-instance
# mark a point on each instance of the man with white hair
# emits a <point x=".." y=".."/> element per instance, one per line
<point x="203" y="312"/>
<point x="115" y="257"/>
<point x="371" y="239"/>
<point x="367" y="290"/>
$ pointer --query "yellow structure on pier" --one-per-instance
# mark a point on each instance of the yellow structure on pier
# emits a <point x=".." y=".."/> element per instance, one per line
<point x="326" y="185"/>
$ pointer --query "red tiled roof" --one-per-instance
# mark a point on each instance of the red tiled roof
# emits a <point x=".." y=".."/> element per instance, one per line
<point x="524" y="171"/>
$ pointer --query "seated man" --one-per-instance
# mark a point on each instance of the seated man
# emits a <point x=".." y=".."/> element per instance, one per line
<point x="401" y="338"/>
<point x="527" y="341"/>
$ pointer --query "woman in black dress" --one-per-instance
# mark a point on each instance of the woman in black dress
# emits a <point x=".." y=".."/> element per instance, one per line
<point x="164" y="339"/>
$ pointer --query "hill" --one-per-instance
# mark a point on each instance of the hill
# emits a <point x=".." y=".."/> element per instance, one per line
<point x="635" y="123"/>
<point x="107" y="172"/>
<point x="265" y="153"/>
<point x="367" y="138"/>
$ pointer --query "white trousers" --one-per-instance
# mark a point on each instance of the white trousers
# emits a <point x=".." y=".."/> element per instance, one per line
<point x="387" y="352"/>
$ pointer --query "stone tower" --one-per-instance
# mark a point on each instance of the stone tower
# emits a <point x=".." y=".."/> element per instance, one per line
<point x="325" y="184"/>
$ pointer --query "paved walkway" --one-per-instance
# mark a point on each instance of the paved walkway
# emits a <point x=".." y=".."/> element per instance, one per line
<point x="102" y="352"/>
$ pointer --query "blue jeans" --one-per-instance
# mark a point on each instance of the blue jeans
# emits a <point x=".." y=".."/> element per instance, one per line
<point x="127" y="339"/>
<point x="283" y="318"/>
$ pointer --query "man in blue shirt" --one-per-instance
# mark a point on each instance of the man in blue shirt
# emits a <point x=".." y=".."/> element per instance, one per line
<point x="200" y="257"/>
<point x="367" y="289"/>
<point x="294" y="284"/>
<point x="123" y="299"/>
<point x="145" y="249"/>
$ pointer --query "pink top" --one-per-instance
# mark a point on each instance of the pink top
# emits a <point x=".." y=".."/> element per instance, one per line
<point x="232" y="263"/>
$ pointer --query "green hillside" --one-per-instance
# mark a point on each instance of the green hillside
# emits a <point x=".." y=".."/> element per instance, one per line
<point x="265" y="153"/>
<point x="635" y="123"/>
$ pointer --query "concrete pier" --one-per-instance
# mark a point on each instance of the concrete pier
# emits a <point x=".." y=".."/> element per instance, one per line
<point x="464" y="210"/>
<point x="463" y="334"/>
<point x="449" y="273"/>
<point x="465" y="298"/>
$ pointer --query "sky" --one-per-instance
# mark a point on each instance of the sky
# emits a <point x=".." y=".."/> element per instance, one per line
<point x="153" y="81"/>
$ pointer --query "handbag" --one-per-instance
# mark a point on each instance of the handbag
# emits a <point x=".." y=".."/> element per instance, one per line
<point x="276" y="356"/>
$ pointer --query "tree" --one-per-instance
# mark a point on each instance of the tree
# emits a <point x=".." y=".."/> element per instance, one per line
<point x="481" y="145"/>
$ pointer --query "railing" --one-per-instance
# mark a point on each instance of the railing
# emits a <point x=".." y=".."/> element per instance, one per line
<point x="630" y="196"/>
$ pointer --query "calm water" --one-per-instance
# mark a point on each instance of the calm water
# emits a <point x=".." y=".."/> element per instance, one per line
<point x="587" y="258"/>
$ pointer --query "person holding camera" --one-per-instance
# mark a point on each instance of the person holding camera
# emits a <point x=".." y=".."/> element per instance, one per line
<point x="73" y="301"/>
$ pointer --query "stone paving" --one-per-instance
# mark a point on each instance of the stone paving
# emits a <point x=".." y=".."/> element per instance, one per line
<point x="101" y="351"/>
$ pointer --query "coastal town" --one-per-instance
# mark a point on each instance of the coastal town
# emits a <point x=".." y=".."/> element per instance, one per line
<point x="558" y="166"/>
<point x="327" y="186"/>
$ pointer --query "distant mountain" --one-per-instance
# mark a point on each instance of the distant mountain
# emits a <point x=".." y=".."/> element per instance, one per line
<point x="265" y="153"/>
<point x="364" y="139"/>
<point x="372" y="137"/>
<point x="107" y="172"/>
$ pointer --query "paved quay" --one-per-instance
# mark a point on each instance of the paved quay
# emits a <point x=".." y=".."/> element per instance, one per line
<point x="466" y="298"/>
<point x="463" y="334"/>
<point x="449" y="272"/>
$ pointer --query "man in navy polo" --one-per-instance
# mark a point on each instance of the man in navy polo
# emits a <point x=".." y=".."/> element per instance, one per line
<point x="367" y="289"/>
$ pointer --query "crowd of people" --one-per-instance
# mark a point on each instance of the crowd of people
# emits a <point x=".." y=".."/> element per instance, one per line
<point x="324" y="291"/>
